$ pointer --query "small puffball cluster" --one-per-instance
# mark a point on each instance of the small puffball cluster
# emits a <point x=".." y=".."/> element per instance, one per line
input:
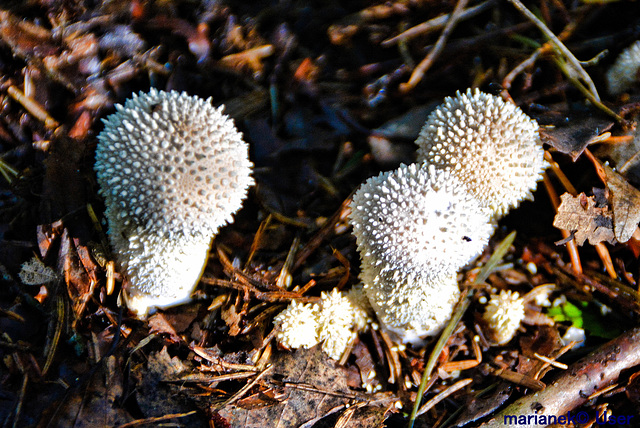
<point x="334" y="321"/>
<point x="418" y="225"/>
<point x="503" y="315"/>
<point x="415" y="227"/>
<point x="625" y="71"/>
<point x="172" y="170"/>
<point x="490" y="145"/>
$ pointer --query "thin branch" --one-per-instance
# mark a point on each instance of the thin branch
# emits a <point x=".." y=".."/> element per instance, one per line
<point x="574" y="67"/>
<point x="435" y="24"/>
<point x="426" y="63"/>
<point x="574" y="386"/>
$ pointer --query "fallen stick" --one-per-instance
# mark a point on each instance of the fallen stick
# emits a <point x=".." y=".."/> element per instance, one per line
<point x="574" y="386"/>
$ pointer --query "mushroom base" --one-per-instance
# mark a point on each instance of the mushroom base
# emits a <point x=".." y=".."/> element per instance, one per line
<point x="162" y="271"/>
<point x="410" y="307"/>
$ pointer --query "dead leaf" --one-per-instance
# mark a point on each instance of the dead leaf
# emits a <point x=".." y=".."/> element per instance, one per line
<point x="315" y="386"/>
<point x="581" y="215"/>
<point x="94" y="403"/>
<point x="173" y="321"/>
<point x="625" y="201"/>
<point x="368" y="417"/>
<point x="573" y="136"/>
<point x="481" y="406"/>
<point x="625" y="157"/>
<point x="233" y="319"/>
<point x="158" y="323"/>
<point x="157" y="395"/>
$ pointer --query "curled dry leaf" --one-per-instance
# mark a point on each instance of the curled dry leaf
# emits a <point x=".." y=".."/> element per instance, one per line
<point x="572" y="136"/>
<point x="625" y="203"/>
<point x="580" y="214"/>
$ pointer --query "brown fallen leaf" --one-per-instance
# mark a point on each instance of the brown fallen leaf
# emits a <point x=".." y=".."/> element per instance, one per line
<point x="573" y="136"/>
<point x="580" y="214"/>
<point x="625" y="203"/>
<point x="159" y="389"/>
<point x="624" y="156"/>
<point x="315" y="386"/>
<point x="173" y="321"/>
<point x="95" y="401"/>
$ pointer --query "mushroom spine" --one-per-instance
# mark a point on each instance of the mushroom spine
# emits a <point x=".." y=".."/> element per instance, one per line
<point x="172" y="170"/>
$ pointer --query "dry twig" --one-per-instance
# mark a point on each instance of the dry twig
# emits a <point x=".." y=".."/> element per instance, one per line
<point x="426" y="63"/>
<point x="575" y="385"/>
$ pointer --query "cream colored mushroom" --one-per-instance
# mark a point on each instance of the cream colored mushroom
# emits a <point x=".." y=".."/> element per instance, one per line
<point x="172" y="170"/>
<point x="623" y="74"/>
<point x="334" y="321"/>
<point x="492" y="146"/>
<point x="415" y="228"/>
<point x="503" y="315"/>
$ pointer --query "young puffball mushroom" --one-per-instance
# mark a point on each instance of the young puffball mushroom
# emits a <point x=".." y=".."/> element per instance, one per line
<point x="503" y="315"/>
<point x="334" y="321"/>
<point x="490" y="145"/>
<point x="624" y="73"/>
<point x="418" y="225"/>
<point x="172" y="170"/>
<point x="415" y="228"/>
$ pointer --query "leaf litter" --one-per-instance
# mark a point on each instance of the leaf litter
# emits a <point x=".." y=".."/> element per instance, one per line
<point x="317" y="93"/>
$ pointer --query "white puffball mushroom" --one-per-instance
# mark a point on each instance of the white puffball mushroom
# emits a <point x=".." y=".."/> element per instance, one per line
<point x="339" y="320"/>
<point x="625" y="71"/>
<point x="172" y="170"/>
<point x="298" y="326"/>
<point x="503" y="315"/>
<point x="490" y="145"/>
<point x="415" y="228"/>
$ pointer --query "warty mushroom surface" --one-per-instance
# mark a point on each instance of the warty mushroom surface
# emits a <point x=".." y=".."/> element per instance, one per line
<point x="623" y="74"/>
<point x="172" y="170"/>
<point x="415" y="228"/>
<point x="490" y="145"/>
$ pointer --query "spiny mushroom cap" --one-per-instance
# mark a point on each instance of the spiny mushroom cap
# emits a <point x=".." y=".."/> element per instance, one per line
<point x="170" y="162"/>
<point x="419" y="218"/>
<point x="503" y="315"/>
<point x="492" y="146"/>
<point x="409" y="303"/>
<point x="624" y="72"/>
<point x="298" y="326"/>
